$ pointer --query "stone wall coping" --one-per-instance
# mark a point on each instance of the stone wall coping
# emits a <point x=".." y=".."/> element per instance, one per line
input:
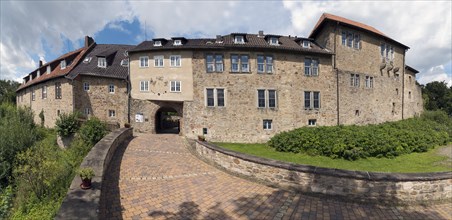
<point x="84" y="204"/>
<point x="351" y="174"/>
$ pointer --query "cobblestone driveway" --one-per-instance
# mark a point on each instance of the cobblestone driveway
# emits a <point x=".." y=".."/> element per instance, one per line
<point x="156" y="177"/>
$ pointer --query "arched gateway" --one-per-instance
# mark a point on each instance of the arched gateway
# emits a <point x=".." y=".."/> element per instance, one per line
<point x="167" y="120"/>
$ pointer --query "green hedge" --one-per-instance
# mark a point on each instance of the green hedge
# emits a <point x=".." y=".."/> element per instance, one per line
<point x="383" y="140"/>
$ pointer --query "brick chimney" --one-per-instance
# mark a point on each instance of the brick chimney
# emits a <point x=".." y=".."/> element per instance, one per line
<point x="40" y="63"/>
<point x="261" y="34"/>
<point x="219" y="39"/>
<point x="88" y="41"/>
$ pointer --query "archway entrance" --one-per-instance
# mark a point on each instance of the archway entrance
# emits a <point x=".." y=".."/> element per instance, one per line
<point x="167" y="121"/>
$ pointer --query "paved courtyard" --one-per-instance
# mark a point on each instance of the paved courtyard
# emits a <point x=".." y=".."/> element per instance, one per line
<point x="156" y="177"/>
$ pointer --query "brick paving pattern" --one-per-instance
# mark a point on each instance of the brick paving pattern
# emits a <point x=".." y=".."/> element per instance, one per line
<point x="156" y="177"/>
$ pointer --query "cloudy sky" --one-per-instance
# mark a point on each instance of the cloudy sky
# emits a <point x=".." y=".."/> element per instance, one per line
<point x="33" y="30"/>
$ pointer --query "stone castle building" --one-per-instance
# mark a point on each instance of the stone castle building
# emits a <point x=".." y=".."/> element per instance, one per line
<point x="243" y="87"/>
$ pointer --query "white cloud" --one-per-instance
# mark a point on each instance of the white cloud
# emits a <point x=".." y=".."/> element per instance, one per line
<point x="436" y="73"/>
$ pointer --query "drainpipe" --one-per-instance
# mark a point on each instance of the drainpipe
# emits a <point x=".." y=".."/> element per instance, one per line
<point x="337" y="73"/>
<point x="129" y="87"/>
<point x="403" y="84"/>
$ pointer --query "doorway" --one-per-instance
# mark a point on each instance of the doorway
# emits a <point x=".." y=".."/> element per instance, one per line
<point x="167" y="121"/>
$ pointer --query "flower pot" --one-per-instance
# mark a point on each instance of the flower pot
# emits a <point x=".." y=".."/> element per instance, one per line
<point x="86" y="184"/>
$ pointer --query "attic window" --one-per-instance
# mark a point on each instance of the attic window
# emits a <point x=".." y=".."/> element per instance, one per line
<point x="125" y="62"/>
<point x="239" y="39"/>
<point x="177" y="42"/>
<point x="157" y="43"/>
<point x="49" y="69"/>
<point x="87" y="60"/>
<point x="63" y="64"/>
<point x="38" y="73"/>
<point x="306" y="44"/>
<point x="274" y="41"/>
<point x="102" y="62"/>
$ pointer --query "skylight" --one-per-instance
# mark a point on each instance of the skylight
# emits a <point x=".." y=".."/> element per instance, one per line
<point x="125" y="62"/>
<point x="87" y="60"/>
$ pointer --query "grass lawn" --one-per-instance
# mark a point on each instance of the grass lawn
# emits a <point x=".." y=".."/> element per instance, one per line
<point x="410" y="163"/>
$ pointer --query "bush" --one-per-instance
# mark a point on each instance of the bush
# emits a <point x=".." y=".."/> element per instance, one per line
<point x="67" y="124"/>
<point x="93" y="131"/>
<point x="353" y="142"/>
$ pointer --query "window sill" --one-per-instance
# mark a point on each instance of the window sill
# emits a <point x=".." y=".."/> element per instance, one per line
<point x="240" y="72"/>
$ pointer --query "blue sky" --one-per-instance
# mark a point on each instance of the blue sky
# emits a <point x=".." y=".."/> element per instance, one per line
<point x="33" y="30"/>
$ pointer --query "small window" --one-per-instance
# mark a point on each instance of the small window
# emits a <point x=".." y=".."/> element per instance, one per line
<point x="144" y="86"/>
<point x="204" y="131"/>
<point x="175" y="86"/>
<point x="357" y="41"/>
<point x="144" y="61"/>
<point x="354" y="80"/>
<point x="272" y="98"/>
<point x="409" y="77"/>
<point x="239" y="39"/>
<point x="357" y="112"/>
<point x="49" y="69"/>
<point x="175" y="61"/>
<point x="306" y="44"/>
<point x="409" y="94"/>
<point x="311" y="67"/>
<point x="369" y="82"/>
<point x="87" y="59"/>
<point x="274" y="41"/>
<point x="234" y="63"/>
<point x="102" y="62"/>
<point x="312" y="122"/>
<point x="344" y="38"/>
<point x="86" y="86"/>
<point x="158" y="61"/>
<point x="220" y="97"/>
<point x="87" y="111"/>
<point x="58" y="112"/>
<point x="57" y="90"/>
<point x="111" y="113"/>
<point x="382" y="49"/>
<point x="33" y="96"/>
<point x="210" y="63"/>
<point x="210" y="97"/>
<point x="267" y="124"/>
<point x="63" y="64"/>
<point x="111" y="88"/>
<point x="177" y="42"/>
<point x="44" y="92"/>
<point x="125" y="62"/>
<point x="157" y="43"/>
<point x="350" y="39"/>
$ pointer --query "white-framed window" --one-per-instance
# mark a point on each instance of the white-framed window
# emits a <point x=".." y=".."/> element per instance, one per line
<point x="311" y="100"/>
<point x="63" y="64"/>
<point x="177" y="42"/>
<point x="158" y="61"/>
<point x="234" y="63"/>
<point x="244" y="61"/>
<point x="86" y="86"/>
<point x="49" y="69"/>
<point x="354" y="80"/>
<point x="33" y="95"/>
<point x="357" y="41"/>
<point x="102" y="62"/>
<point x="369" y="82"/>
<point x="311" y="67"/>
<point x="215" y="97"/>
<point x="239" y="39"/>
<point x="58" y="90"/>
<point x="87" y="111"/>
<point x="240" y="63"/>
<point x="214" y="63"/>
<point x="87" y="59"/>
<point x="306" y="44"/>
<point x="312" y="122"/>
<point x="38" y="73"/>
<point x="175" y="60"/>
<point x="274" y="41"/>
<point x="264" y="64"/>
<point x="175" y="86"/>
<point x="144" y="86"/>
<point x="267" y="124"/>
<point x="144" y="61"/>
<point x="157" y="43"/>
<point x="111" y="88"/>
<point x="266" y="98"/>
<point x="111" y="113"/>
<point x="125" y="62"/>
<point x="44" y="92"/>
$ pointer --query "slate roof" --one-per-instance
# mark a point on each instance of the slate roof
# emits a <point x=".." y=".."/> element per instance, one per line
<point x="330" y="17"/>
<point x="252" y="42"/>
<point x="411" y="69"/>
<point x="113" y="53"/>
<point x="73" y="57"/>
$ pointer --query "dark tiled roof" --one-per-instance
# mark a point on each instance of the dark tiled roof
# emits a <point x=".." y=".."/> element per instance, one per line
<point x="411" y="69"/>
<point x="329" y="17"/>
<point x="73" y="57"/>
<point x="113" y="53"/>
<point x="252" y="42"/>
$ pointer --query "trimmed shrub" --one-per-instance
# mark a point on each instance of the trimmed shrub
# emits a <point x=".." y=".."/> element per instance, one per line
<point x="67" y="124"/>
<point x="93" y="131"/>
<point x="353" y="142"/>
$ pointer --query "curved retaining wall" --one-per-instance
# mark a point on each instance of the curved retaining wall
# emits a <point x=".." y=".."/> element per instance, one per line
<point x="84" y="204"/>
<point x="387" y="188"/>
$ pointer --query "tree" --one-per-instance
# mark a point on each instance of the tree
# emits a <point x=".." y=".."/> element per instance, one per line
<point x="438" y="96"/>
<point x="8" y="91"/>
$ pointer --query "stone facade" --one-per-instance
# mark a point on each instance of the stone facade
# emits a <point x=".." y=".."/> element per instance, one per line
<point x="148" y="109"/>
<point x="383" y="188"/>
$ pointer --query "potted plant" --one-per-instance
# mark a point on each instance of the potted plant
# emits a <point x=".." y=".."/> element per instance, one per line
<point x="201" y="138"/>
<point x="86" y="174"/>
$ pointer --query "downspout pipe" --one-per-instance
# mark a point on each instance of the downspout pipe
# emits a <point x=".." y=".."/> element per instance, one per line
<point x="337" y="73"/>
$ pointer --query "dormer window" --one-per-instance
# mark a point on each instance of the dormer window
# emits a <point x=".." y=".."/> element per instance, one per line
<point x="38" y="73"/>
<point x="102" y="62"/>
<point x="63" y="64"/>
<point x="177" y="42"/>
<point x="125" y="62"/>
<point x="306" y="44"/>
<point x="274" y="41"/>
<point x="87" y="59"/>
<point x="49" y="69"/>
<point x="239" y="39"/>
<point x="157" y="43"/>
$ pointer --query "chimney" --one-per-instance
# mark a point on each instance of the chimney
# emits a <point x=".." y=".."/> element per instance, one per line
<point x="40" y="63"/>
<point x="261" y="34"/>
<point x="88" y="41"/>
<point x="219" y="39"/>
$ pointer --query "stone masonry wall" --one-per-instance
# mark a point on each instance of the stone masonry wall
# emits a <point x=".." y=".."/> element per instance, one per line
<point x="148" y="110"/>
<point x="99" y="100"/>
<point x="241" y="120"/>
<point x="389" y="188"/>
<point x="414" y="105"/>
<point x="50" y="105"/>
